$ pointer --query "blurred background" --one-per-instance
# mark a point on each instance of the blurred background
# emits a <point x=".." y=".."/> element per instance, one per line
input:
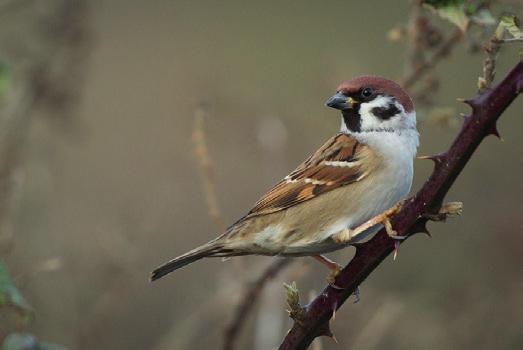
<point x="101" y="182"/>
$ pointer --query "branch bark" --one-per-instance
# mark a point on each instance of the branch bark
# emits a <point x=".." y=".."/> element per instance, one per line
<point x="486" y="109"/>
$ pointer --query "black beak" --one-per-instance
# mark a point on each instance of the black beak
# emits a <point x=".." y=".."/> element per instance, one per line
<point x="339" y="101"/>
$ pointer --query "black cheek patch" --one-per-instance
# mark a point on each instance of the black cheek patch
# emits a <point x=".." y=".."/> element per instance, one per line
<point x="352" y="119"/>
<point x="387" y="112"/>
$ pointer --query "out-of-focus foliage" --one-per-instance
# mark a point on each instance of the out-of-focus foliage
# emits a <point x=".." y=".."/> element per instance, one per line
<point x="508" y="26"/>
<point x="25" y="341"/>
<point x="11" y="296"/>
<point x="507" y="31"/>
<point x="462" y="12"/>
<point x="452" y="10"/>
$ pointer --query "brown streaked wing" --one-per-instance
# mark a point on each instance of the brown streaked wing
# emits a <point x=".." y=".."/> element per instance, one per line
<point x="314" y="176"/>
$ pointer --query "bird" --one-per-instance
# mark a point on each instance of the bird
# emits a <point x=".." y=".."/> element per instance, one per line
<point x="345" y="191"/>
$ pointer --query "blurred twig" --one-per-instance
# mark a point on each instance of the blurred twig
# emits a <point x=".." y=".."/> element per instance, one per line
<point x="252" y="291"/>
<point x="248" y="300"/>
<point x="441" y="52"/>
<point x="206" y="167"/>
<point x="426" y="45"/>
<point x="492" y="48"/>
<point x="46" y="84"/>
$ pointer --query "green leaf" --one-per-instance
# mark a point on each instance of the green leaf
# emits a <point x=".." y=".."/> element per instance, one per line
<point x="293" y="295"/>
<point x="19" y="341"/>
<point x="454" y="11"/>
<point x="508" y="24"/>
<point x="26" y="341"/>
<point x="11" y="296"/>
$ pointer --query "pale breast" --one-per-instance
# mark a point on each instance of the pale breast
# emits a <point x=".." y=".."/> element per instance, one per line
<point x="306" y="228"/>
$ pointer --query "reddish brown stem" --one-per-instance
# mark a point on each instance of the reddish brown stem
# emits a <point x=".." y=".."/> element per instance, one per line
<point x="486" y="109"/>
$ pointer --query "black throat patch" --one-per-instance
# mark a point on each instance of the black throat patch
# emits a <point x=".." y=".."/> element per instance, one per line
<point x="352" y="119"/>
<point x="387" y="112"/>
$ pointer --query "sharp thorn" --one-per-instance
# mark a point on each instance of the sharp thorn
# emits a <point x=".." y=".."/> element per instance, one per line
<point x="434" y="158"/>
<point x="494" y="131"/>
<point x="471" y="102"/>
<point x="326" y="331"/>
<point x="423" y="228"/>
<point x="396" y="249"/>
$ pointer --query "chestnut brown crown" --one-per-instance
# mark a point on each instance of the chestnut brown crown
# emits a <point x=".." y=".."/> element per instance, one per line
<point x="380" y="85"/>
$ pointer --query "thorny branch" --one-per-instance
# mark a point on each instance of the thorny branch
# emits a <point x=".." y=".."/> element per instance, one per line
<point x="486" y="109"/>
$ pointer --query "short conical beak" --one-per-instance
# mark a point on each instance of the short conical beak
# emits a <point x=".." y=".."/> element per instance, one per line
<point x="340" y="101"/>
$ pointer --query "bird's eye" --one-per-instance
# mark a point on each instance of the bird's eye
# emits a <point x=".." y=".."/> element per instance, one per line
<point x="367" y="92"/>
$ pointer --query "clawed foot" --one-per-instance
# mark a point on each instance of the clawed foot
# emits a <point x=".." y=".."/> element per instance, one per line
<point x="333" y="266"/>
<point x="346" y="235"/>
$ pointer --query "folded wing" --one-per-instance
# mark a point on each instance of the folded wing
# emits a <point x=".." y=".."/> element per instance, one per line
<point x="337" y="163"/>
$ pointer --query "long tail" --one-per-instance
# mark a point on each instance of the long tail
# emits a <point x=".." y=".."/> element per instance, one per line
<point x="209" y="249"/>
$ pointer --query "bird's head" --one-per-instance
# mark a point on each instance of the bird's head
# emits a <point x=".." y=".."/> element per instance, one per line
<point x="372" y="104"/>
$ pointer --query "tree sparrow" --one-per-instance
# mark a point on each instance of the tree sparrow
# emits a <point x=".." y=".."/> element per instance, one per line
<point x="336" y="196"/>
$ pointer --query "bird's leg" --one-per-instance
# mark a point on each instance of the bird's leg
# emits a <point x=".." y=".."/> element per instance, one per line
<point x="346" y="235"/>
<point x="333" y="266"/>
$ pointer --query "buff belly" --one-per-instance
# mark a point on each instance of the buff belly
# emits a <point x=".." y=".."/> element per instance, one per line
<point x="293" y="233"/>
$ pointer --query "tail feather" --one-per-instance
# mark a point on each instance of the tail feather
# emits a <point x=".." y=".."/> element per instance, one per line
<point x="206" y="250"/>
